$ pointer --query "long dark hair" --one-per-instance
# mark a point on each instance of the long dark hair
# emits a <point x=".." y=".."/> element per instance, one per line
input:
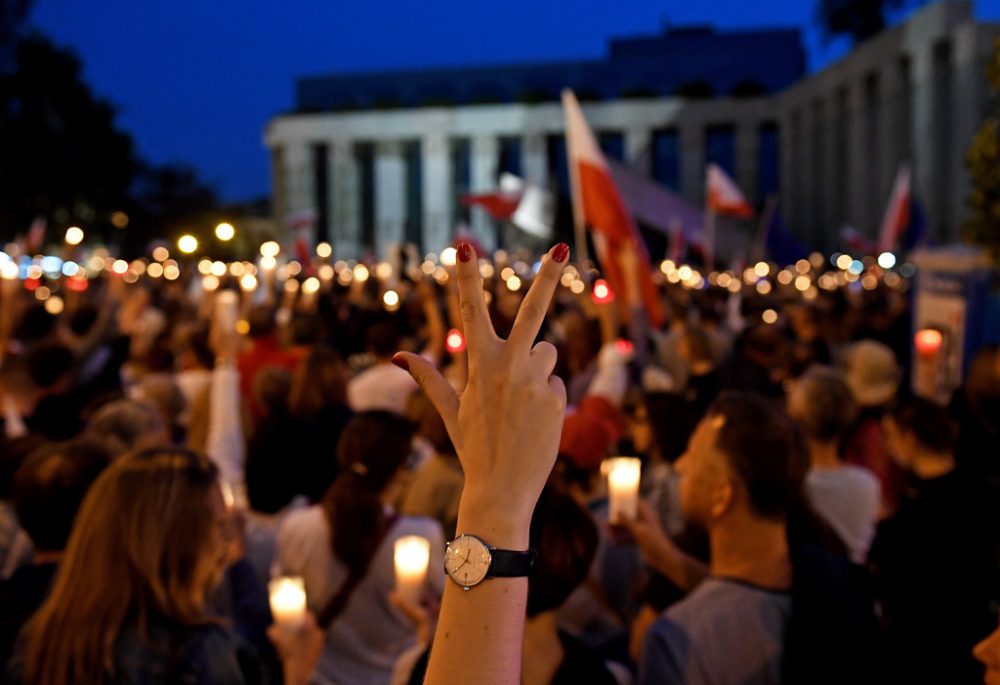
<point x="372" y="449"/>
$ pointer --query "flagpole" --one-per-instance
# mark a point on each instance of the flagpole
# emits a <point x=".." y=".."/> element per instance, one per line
<point x="758" y="247"/>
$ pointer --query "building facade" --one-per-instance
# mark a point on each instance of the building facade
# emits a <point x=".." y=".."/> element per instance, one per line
<point x="382" y="159"/>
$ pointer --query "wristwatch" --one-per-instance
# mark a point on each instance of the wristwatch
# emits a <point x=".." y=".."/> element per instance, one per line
<point x="469" y="560"/>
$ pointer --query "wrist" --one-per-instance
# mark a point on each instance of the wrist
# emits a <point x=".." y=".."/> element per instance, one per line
<point x="500" y="526"/>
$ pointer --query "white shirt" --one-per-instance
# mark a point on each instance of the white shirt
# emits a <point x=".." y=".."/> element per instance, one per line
<point x="365" y="641"/>
<point x="383" y="387"/>
<point x="848" y="498"/>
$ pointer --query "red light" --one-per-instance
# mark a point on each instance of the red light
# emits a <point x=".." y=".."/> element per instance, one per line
<point x="32" y="284"/>
<point x="928" y="342"/>
<point x="603" y="294"/>
<point x="77" y="284"/>
<point x="455" y="342"/>
<point x="624" y="347"/>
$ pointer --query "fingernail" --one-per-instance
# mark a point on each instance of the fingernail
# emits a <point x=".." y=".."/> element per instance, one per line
<point x="464" y="252"/>
<point x="401" y="362"/>
<point x="560" y="252"/>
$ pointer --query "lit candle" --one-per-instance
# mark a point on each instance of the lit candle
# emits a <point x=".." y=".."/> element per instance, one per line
<point x="928" y="342"/>
<point x="603" y="294"/>
<point x="623" y="487"/>
<point x="412" y="555"/>
<point x="288" y="601"/>
<point x="227" y="310"/>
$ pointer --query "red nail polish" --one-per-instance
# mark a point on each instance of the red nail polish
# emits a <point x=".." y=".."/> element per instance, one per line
<point x="560" y="253"/>
<point x="464" y="252"/>
<point x="401" y="362"/>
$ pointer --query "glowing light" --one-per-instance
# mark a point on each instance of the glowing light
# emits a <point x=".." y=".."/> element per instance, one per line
<point x="270" y="249"/>
<point x="237" y="269"/>
<point x="486" y="269"/>
<point x="448" y="256"/>
<point x="624" y="347"/>
<point x="803" y="266"/>
<point x="856" y="267"/>
<point x="763" y="287"/>
<point x="383" y="271"/>
<point x="761" y="269"/>
<point x="268" y="263"/>
<point x="120" y="267"/>
<point x="242" y="326"/>
<point x="513" y="284"/>
<point x="70" y="269"/>
<point x="802" y="283"/>
<point x="42" y="293"/>
<point x="928" y="342"/>
<point x="361" y="273"/>
<point x="844" y="261"/>
<point x="735" y="286"/>
<point x="769" y="316"/>
<point x="667" y="265"/>
<point x="218" y="269"/>
<point x="74" y="235"/>
<point x="187" y="244"/>
<point x="887" y="260"/>
<point x="311" y="286"/>
<point x="171" y="272"/>
<point x="455" y="341"/>
<point x="54" y="305"/>
<point x="162" y="254"/>
<point x="119" y="219"/>
<point x="293" y="268"/>
<point x="324" y="250"/>
<point x="577" y="288"/>
<point x="869" y="282"/>
<point x="724" y="280"/>
<point x="391" y="300"/>
<point x="248" y="282"/>
<point x="785" y="277"/>
<point x="603" y="294"/>
<point x="77" y="284"/>
<point x="154" y="270"/>
<point x="684" y="273"/>
<point x="225" y="232"/>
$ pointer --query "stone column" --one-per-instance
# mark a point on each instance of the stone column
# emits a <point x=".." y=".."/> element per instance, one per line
<point x="485" y="158"/>
<point x="345" y="219"/>
<point x="435" y="158"/>
<point x="390" y="195"/>
<point x="890" y="125"/>
<point x="535" y="159"/>
<point x="638" y="149"/>
<point x="927" y="174"/>
<point x="692" y="136"/>
<point x="857" y="213"/>
<point x="969" y="101"/>
<point x="299" y="179"/>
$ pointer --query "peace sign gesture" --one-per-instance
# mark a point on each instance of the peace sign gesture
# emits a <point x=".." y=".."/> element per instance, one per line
<point x="506" y="424"/>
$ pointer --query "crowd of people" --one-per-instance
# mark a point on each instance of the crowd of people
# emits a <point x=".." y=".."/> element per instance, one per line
<point x="804" y="517"/>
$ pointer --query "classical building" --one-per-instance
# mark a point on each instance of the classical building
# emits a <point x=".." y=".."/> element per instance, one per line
<point x="384" y="158"/>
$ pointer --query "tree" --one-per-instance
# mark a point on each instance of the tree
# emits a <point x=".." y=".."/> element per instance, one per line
<point x="859" y="19"/>
<point x="983" y="161"/>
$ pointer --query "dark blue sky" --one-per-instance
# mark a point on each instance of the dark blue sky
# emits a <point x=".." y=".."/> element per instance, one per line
<point x="196" y="80"/>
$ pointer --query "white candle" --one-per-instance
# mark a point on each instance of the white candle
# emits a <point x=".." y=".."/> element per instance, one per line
<point x="412" y="555"/>
<point x="226" y="310"/>
<point x="623" y="487"/>
<point x="288" y="601"/>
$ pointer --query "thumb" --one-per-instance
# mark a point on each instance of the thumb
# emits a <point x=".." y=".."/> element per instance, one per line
<point x="434" y="385"/>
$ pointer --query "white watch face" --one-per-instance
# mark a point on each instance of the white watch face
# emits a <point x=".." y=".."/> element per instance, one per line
<point x="467" y="560"/>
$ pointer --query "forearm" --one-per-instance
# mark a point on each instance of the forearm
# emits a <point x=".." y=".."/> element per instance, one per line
<point x="484" y="626"/>
<point x="683" y="570"/>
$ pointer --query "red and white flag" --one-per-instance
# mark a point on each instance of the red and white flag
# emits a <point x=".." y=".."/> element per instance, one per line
<point x="600" y="206"/>
<point x="723" y="196"/>
<point x="897" y="214"/>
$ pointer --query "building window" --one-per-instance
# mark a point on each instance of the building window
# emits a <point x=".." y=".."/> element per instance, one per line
<point x="510" y="156"/>
<point x="365" y="155"/>
<point x="720" y="147"/>
<point x="321" y="192"/>
<point x="667" y="157"/>
<point x="461" y="170"/>
<point x="768" y="160"/>
<point x="414" y="228"/>
<point x="612" y="144"/>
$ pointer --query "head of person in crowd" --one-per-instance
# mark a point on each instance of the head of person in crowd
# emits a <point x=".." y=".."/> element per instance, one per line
<point x="567" y="538"/>
<point x="803" y="319"/>
<point x="921" y="437"/>
<point x="382" y="341"/>
<point x="306" y="330"/>
<point x="261" y="322"/>
<point x="146" y="547"/>
<point x="272" y="388"/>
<point x="764" y="346"/>
<point x="36" y="325"/>
<point x="194" y="350"/>
<point x="128" y="425"/>
<point x="83" y="319"/>
<point x="372" y="451"/>
<point x="696" y="349"/>
<point x="319" y="382"/>
<point x="50" y="486"/>
<point x="13" y="453"/>
<point x="589" y="432"/>
<point x="872" y="373"/>
<point x="659" y="427"/>
<point x="50" y="365"/>
<point x="822" y="405"/>
<point x="746" y="462"/>
<point x="161" y="391"/>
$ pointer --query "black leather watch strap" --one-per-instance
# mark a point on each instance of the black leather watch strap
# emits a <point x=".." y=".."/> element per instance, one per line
<point x="509" y="564"/>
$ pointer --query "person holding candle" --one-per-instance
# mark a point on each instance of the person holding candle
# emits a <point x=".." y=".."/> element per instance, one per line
<point x="344" y="548"/>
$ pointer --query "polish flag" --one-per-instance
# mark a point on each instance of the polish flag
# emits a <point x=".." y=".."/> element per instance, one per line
<point x="723" y="196"/>
<point x="597" y="203"/>
<point x="897" y="214"/>
<point x="499" y="205"/>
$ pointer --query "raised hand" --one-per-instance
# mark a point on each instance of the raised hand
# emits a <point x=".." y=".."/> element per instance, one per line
<point x="506" y="424"/>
